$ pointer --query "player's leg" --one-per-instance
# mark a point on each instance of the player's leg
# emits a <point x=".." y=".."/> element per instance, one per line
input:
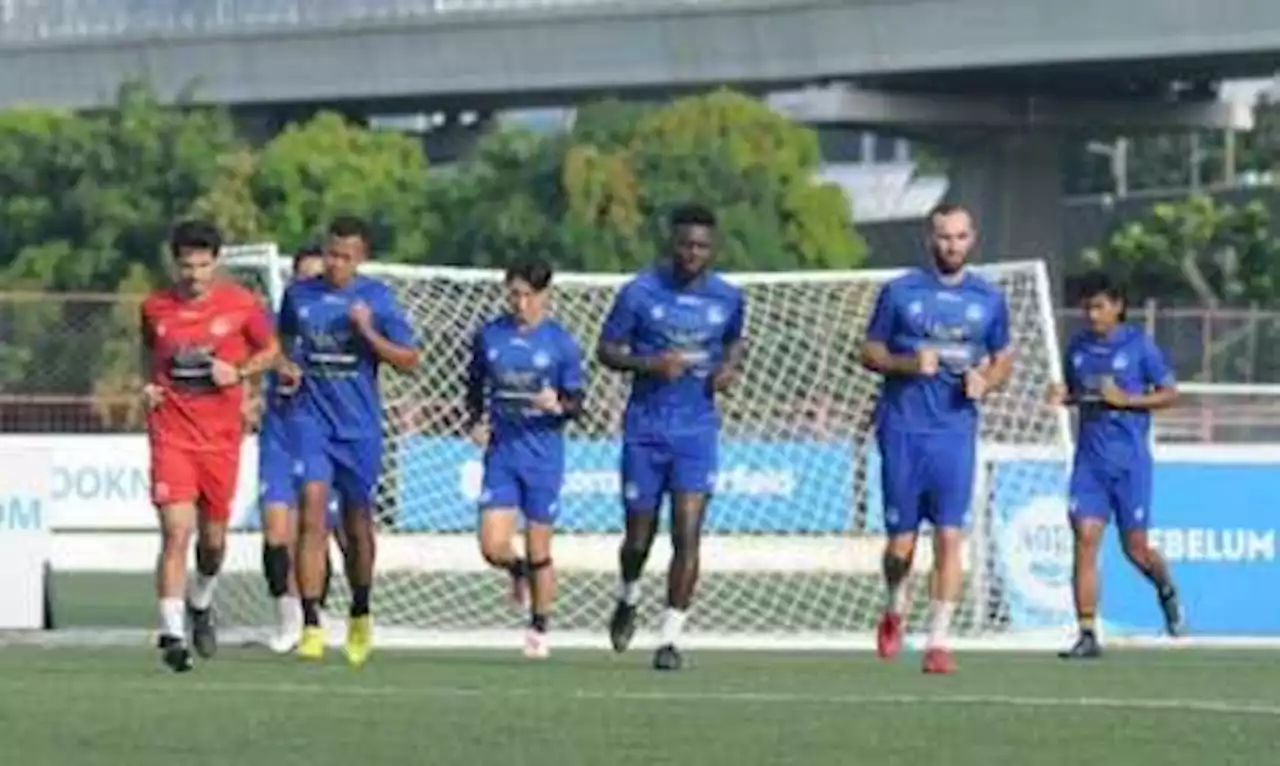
<point x="218" y="472"/>
<point x="312" y="546"/>
<point x="173" y="491"/>
<point x="644" y="480"/>
<point x="500" y="501"/>
<point x="1133" y="517"/>
<point x="338" y="531"/>
<point x="901" y="495"/>
<point x="356" y="469"/>
<point x="950" y="463"/>
<point x="540" y="504"/>
<point x="278" y="497"/>
<point x="1089" y="507"/>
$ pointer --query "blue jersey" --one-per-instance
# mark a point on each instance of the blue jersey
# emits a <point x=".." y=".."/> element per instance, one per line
<point x="508" y="366"/>
<point x="653" y="314"/>
<point x="1129" y="358"/>
<point x="339" y="394"/>
<point x="963" y="323"/>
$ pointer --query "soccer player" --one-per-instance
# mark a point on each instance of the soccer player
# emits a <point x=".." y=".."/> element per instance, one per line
<point x="345" y="327"/>
<point x="527" y="370"/>
<point x="1115" y="376"/>
<point x="202" y="338"/>
<point x="278" y="491"/>
<point x="677" y="328"/>
<point x="940" y="339"/>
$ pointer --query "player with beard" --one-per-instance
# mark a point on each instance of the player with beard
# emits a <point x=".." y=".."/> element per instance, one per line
<point x="677" y="329"/>
<point x="940" y="339"/>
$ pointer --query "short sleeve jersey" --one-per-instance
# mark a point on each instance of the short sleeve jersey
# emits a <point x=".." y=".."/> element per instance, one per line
<point x="184" y="336"/>
<point x="963" y="322"/>
<point x="339" y="392"/>
<point x="511" y="364"/>
<point x="1130" y="359"/>
<point x="653" y="314"/>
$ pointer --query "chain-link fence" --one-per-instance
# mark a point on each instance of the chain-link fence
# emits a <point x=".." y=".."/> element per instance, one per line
<point x="69" y="364"/>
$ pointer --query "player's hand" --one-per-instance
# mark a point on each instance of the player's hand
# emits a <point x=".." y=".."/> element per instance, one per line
<point x="927" y="361"/>
<point x="724" y="379"/>
<point x="479" y="435"/>
<point x="1112" y="395"/>
<point x="1055" y="395"/>
<point x="547" y="400"/>
<point x="361" y="316"/>
<point x="671" y="364"/>
<point x="289" y="376"/>
<point x="152" y="395"/>
<point x="975" y="384"/>
<point x="224" y="374"/>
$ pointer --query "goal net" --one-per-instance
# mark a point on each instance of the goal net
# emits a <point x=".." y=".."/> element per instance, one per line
<point x="793" y="538"/>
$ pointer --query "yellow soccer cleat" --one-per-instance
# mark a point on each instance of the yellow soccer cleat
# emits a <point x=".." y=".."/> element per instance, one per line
<point x="311" y="646"/>
<point x="359" y="640"/>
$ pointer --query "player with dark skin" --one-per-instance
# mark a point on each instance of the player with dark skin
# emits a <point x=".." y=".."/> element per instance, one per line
<point x="692" y="250"/>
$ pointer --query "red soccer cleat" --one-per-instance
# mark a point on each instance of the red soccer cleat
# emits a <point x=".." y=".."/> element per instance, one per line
<point x="889" y="636"/>
<point x="939" y="662"/>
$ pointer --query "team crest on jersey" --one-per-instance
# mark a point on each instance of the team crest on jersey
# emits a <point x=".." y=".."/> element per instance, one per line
<point x="715" y="314"/>
<point x="1120" y="362"/>
<point x="973" y="312"/>
<point x="657" y="312"/>
<point x="219" y="326"/>
<point x="914" y="308"/>
<point x="541" y="360"/>
<point x="161" y="329"/>
<point x="1077" y="359"/>
<point x="492" y="354"/>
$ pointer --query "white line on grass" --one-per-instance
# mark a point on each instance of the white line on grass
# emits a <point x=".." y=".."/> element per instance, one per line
<point x="114" y="686"/>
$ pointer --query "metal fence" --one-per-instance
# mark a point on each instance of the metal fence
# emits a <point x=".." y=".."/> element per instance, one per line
<point x="68" y="363"/>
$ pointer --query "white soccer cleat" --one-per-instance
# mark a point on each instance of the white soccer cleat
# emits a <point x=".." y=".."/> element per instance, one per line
<point x="285" y="640"/>
<point x="288" y="626"/>
<point x="536" y="645"/>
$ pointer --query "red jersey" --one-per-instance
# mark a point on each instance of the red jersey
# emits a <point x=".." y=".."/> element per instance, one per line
<point x="184" y="336"/>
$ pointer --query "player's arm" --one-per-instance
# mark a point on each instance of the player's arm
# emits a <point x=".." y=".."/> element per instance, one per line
<point x="570" y="391"/>
<point x="475" y="382"/>
<point x="996" y="369"/>
<point x="735" y="347"/>
<point x="386" y="329"/>
<point x="1161" y="385"/>
<point x="151" y="390"/>
<point x="614" y="347"/>
<point x="875" y="354"/>
<point x="262" y="339"/>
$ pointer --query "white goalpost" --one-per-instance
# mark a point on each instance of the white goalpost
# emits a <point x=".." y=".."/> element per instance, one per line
<point x="792" y="548"/>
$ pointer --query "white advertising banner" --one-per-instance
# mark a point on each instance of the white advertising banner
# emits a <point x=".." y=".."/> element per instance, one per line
<point x="25" y="538"/>
<point x="101" y="481"/>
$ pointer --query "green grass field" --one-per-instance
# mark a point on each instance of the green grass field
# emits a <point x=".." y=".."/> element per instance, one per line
<point x="117" y="706"/>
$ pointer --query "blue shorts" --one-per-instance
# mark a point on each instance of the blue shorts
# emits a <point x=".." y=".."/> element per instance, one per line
<point x="532" y="489"/>
<point x="278" y="472"/>
<point x="685" y="463"/>
<point x="349" y="467"/>
<point x="1098" y="492"/>
<point x="925" y="477"/>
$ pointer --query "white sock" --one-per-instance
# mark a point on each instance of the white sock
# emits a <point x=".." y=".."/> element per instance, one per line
<point x="672" y="626"/>
<point x="896" y="603"/>
<point x="201" y="591"/>
<point x="629" y="592"/>
<point x="173" y="615"/>
<point x="289" y="613"/>
<point x="940" y="613"/>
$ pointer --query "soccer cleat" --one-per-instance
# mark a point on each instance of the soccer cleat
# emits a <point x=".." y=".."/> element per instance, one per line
<point x="622" y="626"/>
<point x="285" y="640"/>
<point x="667" y="658"/>
<point x="174" y="654"/>
<point x="311" y="646"/>
<point x="1174" y="619"/>
<point x="204" y="632"/>
<point x="938" y="661"/>
<point x="536" y="645"/>
<point x="1086" y="647"/>
<point x="889" y="636"/>
<point x="359" y="640"/>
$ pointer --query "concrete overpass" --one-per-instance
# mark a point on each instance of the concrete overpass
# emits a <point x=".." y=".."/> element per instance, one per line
<point x="997" y="82"/>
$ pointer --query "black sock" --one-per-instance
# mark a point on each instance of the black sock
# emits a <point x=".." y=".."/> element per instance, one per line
<point x="275" y="565"/>
<point x="359" y="600"/>
<point x="538" y="622"/>
<point x="311" y="612"/>
<point x="1166" y="591"/>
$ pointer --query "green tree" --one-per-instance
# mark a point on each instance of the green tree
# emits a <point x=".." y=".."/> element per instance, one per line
<point x="329" y="166"/>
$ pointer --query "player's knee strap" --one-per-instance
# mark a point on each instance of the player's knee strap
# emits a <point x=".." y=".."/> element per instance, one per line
<point x="275" y="565"/>
<point x="208" y="559"/>
<point x="534" y="566"/>
<point x="896" y="567"/>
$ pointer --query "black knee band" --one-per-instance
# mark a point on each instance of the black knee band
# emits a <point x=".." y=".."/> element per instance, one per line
<point x="896" y="567"/>
<point x="275" y="565"/>
<point x="536" y="565"/>
<point x="208" y="560"/>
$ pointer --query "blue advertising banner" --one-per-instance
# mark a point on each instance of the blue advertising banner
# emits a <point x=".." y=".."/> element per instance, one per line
<point x="1216" y="524"/>
<point x="763" y="487"/>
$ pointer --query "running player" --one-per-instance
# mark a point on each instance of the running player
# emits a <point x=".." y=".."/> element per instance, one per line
<point x="940" y="338"/>
<point x="278" y="491"/>
<point x="202" y="339"/>
<point x="526" y="370"/>
<point x="678" y="329"/>
<point x="346" y="326"/>
<point x="1116" y="376"/>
